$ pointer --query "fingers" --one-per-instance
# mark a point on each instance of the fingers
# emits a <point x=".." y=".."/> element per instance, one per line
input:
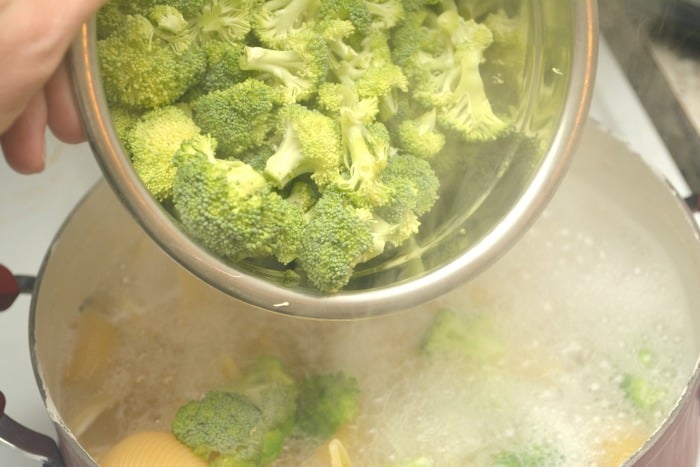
<point x="34" y="86"/>
<point x="63" y="115"/>
<point x="23" y="143"/>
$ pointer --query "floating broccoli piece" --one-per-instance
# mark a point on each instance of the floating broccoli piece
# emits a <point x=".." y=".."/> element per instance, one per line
<point x="455" y="336"/>
<point x="230" y="208"/>
<point x="643" y="394"/>
<point x="268" y="385"/>
<point x="326" y="402"/>
<point x="534" y="456"/>
<point x="146" y="65"/>
<point x="240" y="118"/>
<point x="310" y="144"/>
<point x="223" y="428"/>
<point x="152" y="141"/>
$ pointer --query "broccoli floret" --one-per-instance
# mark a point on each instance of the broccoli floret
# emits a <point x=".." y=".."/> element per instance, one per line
<point x="354" y="11"/>
<point x="366" y="143"/>
<point x="385" y="13"/>
<point x="414" y="187"/>
<point x="230" y="208"/>
<point x="152" y="141"/>
<point x="456" y="336"/>
<point x="310" y="144"/>
<point x="239" y="118"/>
<point x="223" y="428"/>
<point x="336" y="237"/>
<point x="147" y="65"/>
<point x="420" y="136"/>
<point x="532" y="456"/>
<point x="641" y="393"/>
<point x="370" y="70"/>
<point x="326" y="402"/>
<point x="225" y="20"/>
<point x="223" y="66"/>
<point x="275" y="21"/>
<point x="297" y="68"/>
<point x="123" y="119"/>
<point x="268" y="385"/>
<point x="303" y="194"/>
<point x="442" y="56"/>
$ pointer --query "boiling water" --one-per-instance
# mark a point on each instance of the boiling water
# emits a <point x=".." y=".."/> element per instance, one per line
<point x="584" y="299"/>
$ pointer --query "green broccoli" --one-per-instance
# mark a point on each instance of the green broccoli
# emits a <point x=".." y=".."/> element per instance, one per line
<point x="370" y="70"/>
<point x="456" y="336"/>
<point x="336" y="237"/>
<point x="268" y="385"/>
<point x="326" y="402"/>
<point x="366" y="143"/>
<point x="152" y="141"/>
<point x="275" y="21"/>
<point x="223" y="428"/>
<point x="240" y="118"/>
<point x="414" y="188"/>
<point x="257" y="222"/>
<point x="224" y="20"/>
<point x="297" y="68"/>
<point x="356" y="12"/>
<point x="303" y="194"/>
<point x="223" y="66"/>
<point x="539" y="455"/>
<point x="442" y="57"/>
<point x="420" y="136"/>
<point x="146" y="65"/>
<point x="311" y="144"/>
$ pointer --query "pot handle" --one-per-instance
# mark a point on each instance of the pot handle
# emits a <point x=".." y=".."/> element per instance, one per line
<point x="11" y="286"/>
<point x="33" y="444"/>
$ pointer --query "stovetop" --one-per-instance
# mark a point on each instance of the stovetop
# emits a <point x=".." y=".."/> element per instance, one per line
<point x="32" y="209"/>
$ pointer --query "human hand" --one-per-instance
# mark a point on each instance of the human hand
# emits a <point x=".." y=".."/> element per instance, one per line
<point x="35" y="88"/>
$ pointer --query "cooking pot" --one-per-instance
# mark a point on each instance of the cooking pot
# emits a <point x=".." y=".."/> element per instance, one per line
<point x="92" y="242"/>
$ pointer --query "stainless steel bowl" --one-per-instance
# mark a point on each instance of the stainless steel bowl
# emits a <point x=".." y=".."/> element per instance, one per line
<point x="474" y="225"/>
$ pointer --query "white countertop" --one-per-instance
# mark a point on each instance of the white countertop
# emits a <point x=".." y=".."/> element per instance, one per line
<point x="32" y="208"/>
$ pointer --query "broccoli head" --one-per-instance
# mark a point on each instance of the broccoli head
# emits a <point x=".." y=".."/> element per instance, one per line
<point x="310" y="144"/>
<point x="296" y="68"/>
<point x="240" y="118"/>
<point x="420" y="136"/>
<point x="268" y="385"/>
<point x="223" y="428"/>
<point x="230" y="208"/>
<point x="326" y="402"/>
<point x="152" y="141"/>
<point x="453" y="335"/>
<point x="336" y="237"/>
<point x="148" y="64"/>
